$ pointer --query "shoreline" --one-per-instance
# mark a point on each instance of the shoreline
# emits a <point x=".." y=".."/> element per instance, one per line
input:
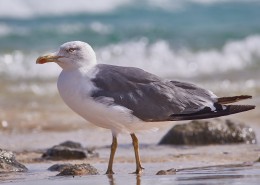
<point x="208" y="161"/>
<point x="150" y="153"/>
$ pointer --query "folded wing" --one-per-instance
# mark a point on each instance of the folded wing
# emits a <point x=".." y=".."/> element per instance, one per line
<point x="151" y="98"/>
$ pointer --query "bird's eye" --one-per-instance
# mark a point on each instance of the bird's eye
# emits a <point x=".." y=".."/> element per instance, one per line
<point x="70" y="50"/>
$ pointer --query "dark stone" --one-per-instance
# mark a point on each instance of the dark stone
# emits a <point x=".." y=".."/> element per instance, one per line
<point x="60" y="153"/>
<point x="71" y="144"/>
<point x="171" y="171"/>
<point x="8" y="163"/>
<point x="68" y="150"/>
<point x="78" y="169"/>
<point x="214" y="131"/>
<point x="59" y="167"/>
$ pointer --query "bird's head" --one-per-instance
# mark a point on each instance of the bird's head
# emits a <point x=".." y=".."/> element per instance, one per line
<point x="71" y="55"/>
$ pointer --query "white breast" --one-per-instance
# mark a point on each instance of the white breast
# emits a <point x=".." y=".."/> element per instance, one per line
<point x="75" y="88"/>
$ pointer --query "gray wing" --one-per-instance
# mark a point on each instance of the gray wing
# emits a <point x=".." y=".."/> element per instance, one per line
<point x="149" y="97"/>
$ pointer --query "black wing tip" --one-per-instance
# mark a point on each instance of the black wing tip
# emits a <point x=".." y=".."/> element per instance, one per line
<point x="246" y="96"/>
<point x="229" y="109"/>
<point x="241" y="108"/>
<point x="243" y="97"/>
<point x="232" y="99"/>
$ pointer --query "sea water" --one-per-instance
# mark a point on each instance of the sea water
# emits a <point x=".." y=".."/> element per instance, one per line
<point x="175" y="39"/>
<point x="213" y="43"/>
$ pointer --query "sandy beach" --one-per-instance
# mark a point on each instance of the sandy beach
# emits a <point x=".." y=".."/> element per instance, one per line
<point x="195" y="165"/>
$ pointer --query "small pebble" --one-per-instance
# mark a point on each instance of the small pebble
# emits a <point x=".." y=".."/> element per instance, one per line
<point x="171" y="171"/>
<point x="78" y="170"/>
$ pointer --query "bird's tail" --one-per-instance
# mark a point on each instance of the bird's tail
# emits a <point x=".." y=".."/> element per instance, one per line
<point x="227" y="100"/>
<point x="208" y="113"/>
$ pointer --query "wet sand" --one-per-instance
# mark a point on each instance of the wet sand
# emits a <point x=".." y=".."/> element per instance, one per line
<point x="189" y="160"/>
<point x="229" y="174"/>
<point x="214" y="164"/>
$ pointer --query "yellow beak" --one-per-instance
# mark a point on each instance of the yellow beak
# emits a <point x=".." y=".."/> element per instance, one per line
<point x="47" y="58"/>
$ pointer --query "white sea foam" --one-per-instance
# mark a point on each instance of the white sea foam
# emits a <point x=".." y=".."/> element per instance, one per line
<point x="20" y="65"/>
<point x="158" y="58"/>
<point x="59" y="28"/>
<point x="32" y="8"/>
<point x="100" y="28"/>
<point x="176" y="5"/>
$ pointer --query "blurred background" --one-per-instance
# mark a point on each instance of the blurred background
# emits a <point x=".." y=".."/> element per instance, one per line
<point x="214" y="43"/>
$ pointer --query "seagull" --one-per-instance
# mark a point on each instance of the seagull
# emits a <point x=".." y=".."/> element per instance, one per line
<point x="129" y="99"/>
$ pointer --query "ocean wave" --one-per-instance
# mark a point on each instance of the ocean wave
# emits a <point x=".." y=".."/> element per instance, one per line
<point x="161" y="59"/>
<point x="181" y="4"/>
<point x="31" y="8"/>
<point x="59" y="29"/>
<point x="18" y="65"/>
<point x="5" y="30"/>
<point x="158" y="58"/>
<point x="22" y="9"/>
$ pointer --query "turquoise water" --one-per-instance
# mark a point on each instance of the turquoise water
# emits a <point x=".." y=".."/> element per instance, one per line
<point x="191" y="37"/>
<point x="192" y="25"/>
